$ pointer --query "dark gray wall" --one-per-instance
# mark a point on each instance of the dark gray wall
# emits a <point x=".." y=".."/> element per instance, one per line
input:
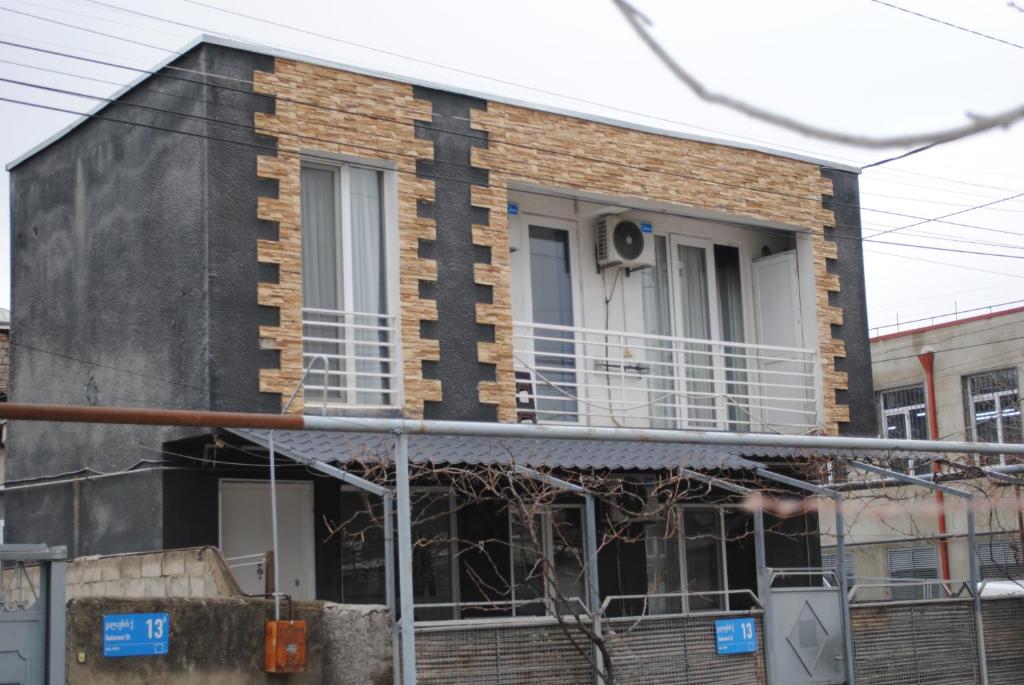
<point x="455" y="290"/>
<point x="133" y="257"/>
<point x="852" y="299"/>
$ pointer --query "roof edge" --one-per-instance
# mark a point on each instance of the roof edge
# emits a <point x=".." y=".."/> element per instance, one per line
<point x="483" y="95"/>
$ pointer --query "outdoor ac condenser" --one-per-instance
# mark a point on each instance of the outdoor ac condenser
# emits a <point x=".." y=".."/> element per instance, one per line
<point x="621" y="242"/>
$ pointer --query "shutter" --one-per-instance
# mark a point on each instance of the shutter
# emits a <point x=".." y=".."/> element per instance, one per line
<point x="916" y="562"/>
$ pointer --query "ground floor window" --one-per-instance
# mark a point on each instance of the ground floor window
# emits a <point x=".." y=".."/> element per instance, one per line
<point x="479" y="558"/>
<point x="916" y="563"/>
<point x="1000" y="560"/>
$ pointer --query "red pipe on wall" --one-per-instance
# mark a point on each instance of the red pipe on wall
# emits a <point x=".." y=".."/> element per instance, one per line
<point x="927" y="360"/>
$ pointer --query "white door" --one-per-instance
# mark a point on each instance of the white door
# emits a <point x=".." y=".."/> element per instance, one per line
<point x="785" y="377"/>
<point x="245" y="534"/>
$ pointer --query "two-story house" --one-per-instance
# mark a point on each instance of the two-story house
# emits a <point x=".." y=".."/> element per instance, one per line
<point x="241" y="215"/>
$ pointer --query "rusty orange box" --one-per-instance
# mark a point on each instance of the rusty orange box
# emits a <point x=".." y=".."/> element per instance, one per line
<point x="284" y="650"/>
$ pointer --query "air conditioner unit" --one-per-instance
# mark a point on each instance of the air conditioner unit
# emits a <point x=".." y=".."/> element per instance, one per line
<point x="620" y="242"/>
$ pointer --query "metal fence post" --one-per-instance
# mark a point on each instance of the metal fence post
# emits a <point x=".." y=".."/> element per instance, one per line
<point x="389" y="585"/>
<point x="56" y="620"/>
<point x="593" y="587"/>
<point x="405" y="559"/>
<point x="851" y="671"/>
<point x="972" y="550"/>
<point x="762" y="580"/>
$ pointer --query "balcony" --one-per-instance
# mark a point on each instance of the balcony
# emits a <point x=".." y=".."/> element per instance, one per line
<point x="352" y="359"/>
<point x="568" y="374"/>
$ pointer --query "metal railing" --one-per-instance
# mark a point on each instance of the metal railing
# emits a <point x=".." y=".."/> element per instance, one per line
<point x="362" y="358"/>
<point x="570" y="374"/>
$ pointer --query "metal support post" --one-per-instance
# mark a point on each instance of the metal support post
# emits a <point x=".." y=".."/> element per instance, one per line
<point x="761" y="561"/>
<point x="405" y="559"/>
<point x="593" y="587"/>
<point x="56" y="619"/>
<point x="273" y="526"/>
<point x="389" y="585"/>
<point x="972" y="550"/>
<point x="851" y="675"/>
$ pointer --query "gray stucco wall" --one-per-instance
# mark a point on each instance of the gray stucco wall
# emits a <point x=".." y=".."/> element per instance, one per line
<point x="852" y="298"/>
<point x="134" y="274"/>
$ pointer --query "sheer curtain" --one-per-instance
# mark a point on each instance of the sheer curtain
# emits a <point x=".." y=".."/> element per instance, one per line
<point x="654" y="287"/>
<point x="369" y="298"/>
<point x="321" y="279"/>
<point x="730" y="299"/>
<point x="696" y="323"/>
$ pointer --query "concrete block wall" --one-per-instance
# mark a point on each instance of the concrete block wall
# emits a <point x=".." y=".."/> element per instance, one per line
<point x="198" y="573"/>
<point x="364" y="116"/>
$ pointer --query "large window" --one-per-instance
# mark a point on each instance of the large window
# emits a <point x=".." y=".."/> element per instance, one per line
<point x="685" y="562"/>
<point x="917" y="563"/>
<point x="992" y="406"/>
<point x="344" y="285"/>
<point x="904" y="416"/>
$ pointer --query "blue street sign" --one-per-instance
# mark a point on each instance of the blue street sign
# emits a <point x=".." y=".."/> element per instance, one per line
<point x="135" y="634"/>
<point x="735" y="636"/>
<point x="646" y="227"/>
<point x="513" y="209"/>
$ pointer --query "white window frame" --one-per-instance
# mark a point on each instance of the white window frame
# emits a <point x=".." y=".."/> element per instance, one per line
<point x="923" y="591"/>
<point x="904" y="411"/>
<point x="340" y="166"/>
<point x="997" y="396"/>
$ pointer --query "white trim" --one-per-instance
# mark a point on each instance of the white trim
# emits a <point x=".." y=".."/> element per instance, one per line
<point x="284" y="54"/>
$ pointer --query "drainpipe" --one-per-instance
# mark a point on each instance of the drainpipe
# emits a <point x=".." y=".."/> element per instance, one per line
<point x="927" y="360"/>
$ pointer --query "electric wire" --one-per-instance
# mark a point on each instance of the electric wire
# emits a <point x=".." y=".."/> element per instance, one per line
<point x="949" y="24"/>
<point x="919" y="220"/>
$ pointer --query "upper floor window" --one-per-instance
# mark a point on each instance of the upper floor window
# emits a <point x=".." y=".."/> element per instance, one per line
<point x="348" y="334"/>
<point x="904" y="416"/>
<point x="992" y="406"/>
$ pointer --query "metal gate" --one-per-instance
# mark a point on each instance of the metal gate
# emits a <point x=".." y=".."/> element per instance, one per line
<point x="32" y="614"/>
<point x="807" y="643"/>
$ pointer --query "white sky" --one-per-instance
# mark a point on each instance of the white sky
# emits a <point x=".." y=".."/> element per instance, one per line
<point x="852" y="65"/>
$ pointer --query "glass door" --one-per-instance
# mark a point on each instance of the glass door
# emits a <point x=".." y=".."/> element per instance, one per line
<point x="699" y="363"/>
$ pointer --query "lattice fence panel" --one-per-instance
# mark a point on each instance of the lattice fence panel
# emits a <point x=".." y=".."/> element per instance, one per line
<point x="501" y="655"/>
<point x="1003" y="619"/>
<point x="680" y="651"/>
<point x="921" y="643"/>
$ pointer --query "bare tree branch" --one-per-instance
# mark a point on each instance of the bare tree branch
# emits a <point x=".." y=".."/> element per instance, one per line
<point x="978" y="123"/>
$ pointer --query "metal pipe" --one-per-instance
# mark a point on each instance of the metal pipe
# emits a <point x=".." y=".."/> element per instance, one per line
<point x="593" y="586"/>
<point x="273" y="527"/>
<point x="972" y="551"/>
<point x="908" y="479"/>
<point x="389" y="585"/>
<point x="208" y="419"/>
<point x="405" y="559"/>
<point x="760" y="560"/>
<point x="844" y="604"/>
<point x="927" y="361"/>
<point x="991" y="472"/>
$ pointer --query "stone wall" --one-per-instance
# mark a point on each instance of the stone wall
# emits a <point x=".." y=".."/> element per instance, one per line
<point x="220" y="642"/>
<point x="340" y="113"/>
<point x="197" y="573"/>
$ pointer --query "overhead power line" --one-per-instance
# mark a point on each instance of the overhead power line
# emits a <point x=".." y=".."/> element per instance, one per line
<point x="276" y="149"/>
<point x="430" y="126"/>
<point x="950" y="24"/>
<point x="641" y="26"/>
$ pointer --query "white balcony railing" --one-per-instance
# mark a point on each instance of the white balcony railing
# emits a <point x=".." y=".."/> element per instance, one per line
<point x="360" y="353"/>
<point x="595" y="377"/>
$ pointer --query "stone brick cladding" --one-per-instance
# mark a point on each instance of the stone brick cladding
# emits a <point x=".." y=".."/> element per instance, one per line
<point x="364" y="116"/>
<point x="563" y="152"/>
<point x="346" y="114"/>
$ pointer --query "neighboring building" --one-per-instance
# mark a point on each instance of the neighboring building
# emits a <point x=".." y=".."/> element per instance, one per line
<point x="441" y="251"/>
<point x="5" y="355"/>
<point x="976" y="363"/>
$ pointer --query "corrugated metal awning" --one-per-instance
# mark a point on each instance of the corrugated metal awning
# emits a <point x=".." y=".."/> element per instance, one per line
<point x="638" y="455"/>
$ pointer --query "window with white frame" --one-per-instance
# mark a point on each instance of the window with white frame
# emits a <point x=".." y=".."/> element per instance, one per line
<point x="686" y="565"/>
<point x="915" y="563"/>
<point x="348" y="334"/>
<point x="830" y="562"/>
<point x="992" y="406"/>
<point x="1000" y="560"/>
<point x="904" y="416"/>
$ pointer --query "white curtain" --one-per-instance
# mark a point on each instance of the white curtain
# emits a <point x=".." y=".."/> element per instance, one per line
<point x="696" y="323"/>
<point x="730" y="298"/>
<point x="654" y="286"/>
<point x="369" y="299"/>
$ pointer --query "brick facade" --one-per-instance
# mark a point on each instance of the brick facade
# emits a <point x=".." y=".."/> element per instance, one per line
<point x="376" y="118"/>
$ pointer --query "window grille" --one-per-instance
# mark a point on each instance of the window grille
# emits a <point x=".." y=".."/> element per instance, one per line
<point x="919" y="563"/>
<point x="1000" y="560"/>
<point x="992" y="407"/>
<point x="830" y="561"/>
<point x="904" y="416"/>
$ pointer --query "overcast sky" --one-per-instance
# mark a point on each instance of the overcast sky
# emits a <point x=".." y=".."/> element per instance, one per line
<point x="853" y="65"/>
